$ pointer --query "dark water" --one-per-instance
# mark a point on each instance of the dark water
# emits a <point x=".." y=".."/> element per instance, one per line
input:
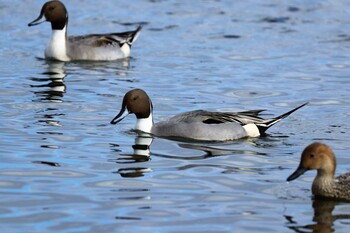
<point x="64" y="168"/>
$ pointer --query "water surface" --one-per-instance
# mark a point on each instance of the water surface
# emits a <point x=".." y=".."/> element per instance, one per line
<point x="64" y="168"/>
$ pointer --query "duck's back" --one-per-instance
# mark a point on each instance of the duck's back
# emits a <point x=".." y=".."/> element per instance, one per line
<point x="343" y="186"/>
<point x="338" y="188"/>
<point x="199" y="125"/>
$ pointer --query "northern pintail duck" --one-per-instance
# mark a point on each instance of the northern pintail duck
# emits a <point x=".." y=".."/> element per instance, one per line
<point x="197" y="125"/>
<point x="320" y="157"/>
<point x="85" y="47"/>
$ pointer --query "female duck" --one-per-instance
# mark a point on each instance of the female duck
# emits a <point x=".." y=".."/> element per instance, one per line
<point x="85" y="47"/>
<point x="197" y="125"/>
<point x="320" y="157"/>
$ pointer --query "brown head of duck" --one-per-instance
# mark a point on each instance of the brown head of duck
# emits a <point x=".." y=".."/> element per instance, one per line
<point x="320" y="157"/>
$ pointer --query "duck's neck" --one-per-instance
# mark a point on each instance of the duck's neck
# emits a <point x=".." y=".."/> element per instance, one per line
<point x="323" y="183"/>
<point x="57" y="46"/>
<point x="145" y="124"/>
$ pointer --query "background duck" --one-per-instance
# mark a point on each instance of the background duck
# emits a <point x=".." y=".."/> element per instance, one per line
<point x="85" y="47"/>
<point x="320" y="157"/>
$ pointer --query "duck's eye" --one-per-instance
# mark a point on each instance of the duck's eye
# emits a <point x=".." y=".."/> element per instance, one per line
<point x="312" y="155"/>
<point x="135" y="98"/>
<point x="51" y="8"/>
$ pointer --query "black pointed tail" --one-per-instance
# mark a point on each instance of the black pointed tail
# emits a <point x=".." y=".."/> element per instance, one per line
<point x="134" y="35"/>
<point x="270" y="122"/>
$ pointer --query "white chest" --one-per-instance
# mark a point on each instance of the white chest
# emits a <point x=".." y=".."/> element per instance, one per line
<point x="57" y="46"/>
<point x="145" y="124"/>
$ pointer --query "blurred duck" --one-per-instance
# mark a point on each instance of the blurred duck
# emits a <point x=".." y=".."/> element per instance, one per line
<point x="197" y="125"/>
<point x="320" y="157"/>
<point x="85" y="47"/>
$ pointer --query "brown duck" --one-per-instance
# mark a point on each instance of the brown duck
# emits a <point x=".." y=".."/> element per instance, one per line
<point x="320" y="157"/>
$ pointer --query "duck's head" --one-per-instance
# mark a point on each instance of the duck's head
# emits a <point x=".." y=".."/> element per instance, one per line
<point x="54" y="12"/>
<point x="137" y="102"/>
<point x="316" y="156"/>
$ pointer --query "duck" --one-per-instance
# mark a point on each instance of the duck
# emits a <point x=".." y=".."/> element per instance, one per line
<point x="320" y="157"/>
<point x="96" y="47"/>
<point x="197" y="125"/>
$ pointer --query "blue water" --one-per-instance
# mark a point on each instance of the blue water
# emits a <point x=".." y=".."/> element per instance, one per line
<point x="64" y="168"/>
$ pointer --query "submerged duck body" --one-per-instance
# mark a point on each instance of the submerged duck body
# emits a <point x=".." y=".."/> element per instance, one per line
<point x="197" y="125"/>
<point x="320" y="157"/>
<point x="85" y="47"/>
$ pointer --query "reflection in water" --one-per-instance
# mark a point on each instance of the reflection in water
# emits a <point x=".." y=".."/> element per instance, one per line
<point x="323" y="218"/>
<point x="52" y="164"/>
<point x="120" y="67"/>
<point x="210" y="152"/>
<point x="54" y="86"/>
<point x="47" y="117"/>
<point x="213" y="152"/>
<point x="52" y="90"/>
<point x="50" y="127"/>
<point x="141" y="154"/>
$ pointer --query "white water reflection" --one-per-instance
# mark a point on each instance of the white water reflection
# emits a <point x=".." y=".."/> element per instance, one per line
<point x="54" y="87"/>
<point x="134" y="165"/>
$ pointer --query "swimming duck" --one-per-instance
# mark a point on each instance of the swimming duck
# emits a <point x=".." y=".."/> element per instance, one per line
<point x="197" y="125"/>
<point x="320" y="157"/>
<point x="85" y="47"/>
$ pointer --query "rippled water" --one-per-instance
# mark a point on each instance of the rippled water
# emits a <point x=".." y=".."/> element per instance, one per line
<point x="64" y="168"/>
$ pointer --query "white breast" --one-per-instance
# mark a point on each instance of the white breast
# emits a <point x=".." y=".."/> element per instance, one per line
<point x="57" y="46"/>
<point x="145" y="125"/>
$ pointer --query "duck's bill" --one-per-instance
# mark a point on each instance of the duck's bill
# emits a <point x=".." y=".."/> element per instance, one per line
<point x="121" y="115"/>
<point x="300" y="170"/>
<point x="37" y="21"/>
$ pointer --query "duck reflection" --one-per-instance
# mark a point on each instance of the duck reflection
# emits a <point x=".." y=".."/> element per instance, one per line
<point x="49" y="88"/>
<point x="53" y="87"/>
<point x="120" y="67"/>
<point x="323" y="217"/>
<point x="123" y="67"/>
<point x="141" y="155"/>
<point x="212" y="151"/>
<point x="48" y="117"/>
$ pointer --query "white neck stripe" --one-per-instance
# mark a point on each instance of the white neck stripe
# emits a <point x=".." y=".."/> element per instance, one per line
<point x="145" y="124"/>
<point x="57" y="46"/>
